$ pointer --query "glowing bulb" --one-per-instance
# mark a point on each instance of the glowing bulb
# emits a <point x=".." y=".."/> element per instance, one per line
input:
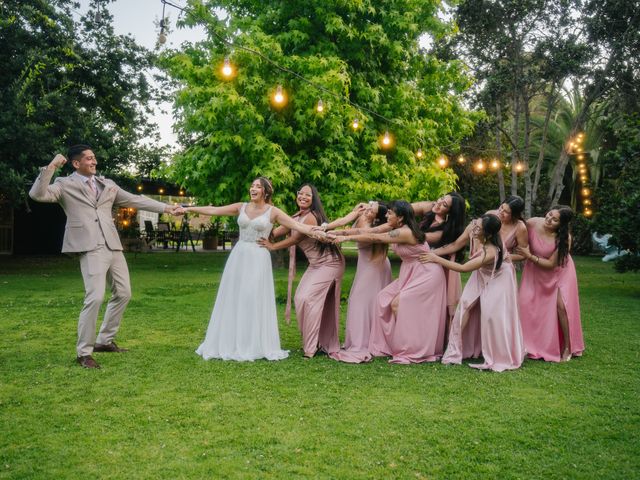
<point x="480" y="166"/>
<point x="579" y="149"/>
<point x="320" y="106"/>
<point x="355" y="124"/>
<point x="442" y="161"/>
<point x="495" y="164"/>
<point x="139" y="188"/>
<point x="586" y="201"/>
<point x="461" y="159"/>
<point x="587" y="212"/>
<point x="227" y="69"/>
<point x="419" y="153"/>
<point x="161" y="190"/>
<point x="181" y="192"/>
<point x="386" y="140"/>
<point x="586" y="192"/>
<point x="580" y="157"/>
<point x="519" y="167"/>
<point x="583" y="178"/>
<point x="279" y="97"/>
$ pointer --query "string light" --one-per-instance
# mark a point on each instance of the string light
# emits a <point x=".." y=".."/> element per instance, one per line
<point x="161" y="190"/>
<point x="519" y="167"/>
<point x="162" y="37"/>
<point x="461" y="159"/>
<point x="585" y="192"/>
<point x="227" y="69"/>
<point x="495" y="164"/>
<point x="355" y="124"/>
<point x="386" y="141"/>
<point x="586" y="201"/>
<point x="139" y="187"/>
<point x="320" y="106"/>
<point x="419" y="153"/>
<point x="480" y="166"/>
<point x="279" y="98"/>
<point x="587" y="212"/>
<point x="443" y="162"/>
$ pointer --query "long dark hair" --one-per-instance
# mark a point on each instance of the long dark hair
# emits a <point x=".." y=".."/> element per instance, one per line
<point x="563" y="233"/>
<point x="516" y="204"/>
<point x="404" y="209"/>
<point x="317" y="210"/>
<point x="491" y="226"/>
<point x="453" y="227"/>
<point x="379" y="250"/>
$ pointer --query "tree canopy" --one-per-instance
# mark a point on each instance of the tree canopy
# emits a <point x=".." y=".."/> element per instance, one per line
<point x="354" y="52"/>
<point x="66" y="81"/>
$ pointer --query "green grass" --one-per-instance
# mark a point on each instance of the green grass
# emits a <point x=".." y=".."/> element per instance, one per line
<point x="160" y="411"/>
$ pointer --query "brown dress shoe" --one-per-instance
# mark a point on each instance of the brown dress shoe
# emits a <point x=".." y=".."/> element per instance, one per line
<point x="111" y="347"/>
<point x="87" y="361"/>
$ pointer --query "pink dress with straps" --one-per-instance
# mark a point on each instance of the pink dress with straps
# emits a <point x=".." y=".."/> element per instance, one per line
<point x="416" y="332"/>
<point x="372" y="275"/>
<point x="317" y="299"/>
<point x="539" y="289"/>
<point x="493" y="329"/>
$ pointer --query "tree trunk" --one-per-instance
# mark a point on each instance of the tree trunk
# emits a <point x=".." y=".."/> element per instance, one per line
<point x="501" y="189"/>
<point x="551" y="100"/>
<point x="516" y="135"/>
<point x="525" y="156"/>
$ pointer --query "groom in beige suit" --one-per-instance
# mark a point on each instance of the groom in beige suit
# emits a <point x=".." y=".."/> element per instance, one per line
<point x="90" y="232"/>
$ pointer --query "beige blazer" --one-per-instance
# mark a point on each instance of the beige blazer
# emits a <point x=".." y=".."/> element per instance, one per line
<point x="87" y="216"/>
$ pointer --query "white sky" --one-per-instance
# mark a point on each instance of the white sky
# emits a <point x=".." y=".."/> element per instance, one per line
<point x="140" y="19"/>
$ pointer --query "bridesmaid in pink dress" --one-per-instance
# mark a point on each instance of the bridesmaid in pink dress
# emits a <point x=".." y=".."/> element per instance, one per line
<point x="317" y="298"/>
<point x="549" y="290"/>
<point x="373" y="273"/>
<point x="490" y="298"/>
<point x="442" y="222"/>
<point x="411" y="311"/>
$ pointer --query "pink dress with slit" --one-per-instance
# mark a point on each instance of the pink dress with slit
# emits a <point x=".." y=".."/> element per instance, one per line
<point x="489" y="303"/>
<point x="372" y="275"/>
<point x="415" y="333"/>
<point x="317" y="299"/>
<point x="539" y="289"/>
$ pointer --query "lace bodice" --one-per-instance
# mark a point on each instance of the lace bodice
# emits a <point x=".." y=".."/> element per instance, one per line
<point x="251" y="229"/>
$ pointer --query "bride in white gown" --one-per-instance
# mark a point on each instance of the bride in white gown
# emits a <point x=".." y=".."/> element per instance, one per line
<point x="244" y="324"/>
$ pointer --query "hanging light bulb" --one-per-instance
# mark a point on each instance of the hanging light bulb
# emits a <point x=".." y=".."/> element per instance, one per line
<point x="442" y="161"/>
<point x="519" y="167"/>
<point x="585" y="192"/>
<point x="587" y="212"/>
<point x="386" y="140"/>
<point x="419" y="153"/>
<point x="227" y="69"/>
<point x="480" y="166"/>
<point x="495" y="164"/>
<point x="279" y="98"/>
<point x="320" y="106"/>
<point x="461" y="159"/>
<point x="355" y="124"/>
<point x="586" y="201"/>
<point x="162" y="37"/>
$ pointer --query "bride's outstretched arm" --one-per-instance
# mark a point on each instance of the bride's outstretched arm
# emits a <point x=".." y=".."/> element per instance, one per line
<point x="227" y="210"/>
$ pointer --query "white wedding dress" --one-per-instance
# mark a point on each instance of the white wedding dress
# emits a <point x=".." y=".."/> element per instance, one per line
<point x="244" y="324"/>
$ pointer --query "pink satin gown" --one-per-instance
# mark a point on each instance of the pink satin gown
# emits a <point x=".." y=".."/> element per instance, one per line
<point x="317" y="299"/>
<point x="372" y="275"/>
<point x="489" y="302"/>
<point x="415" y="333"/>
<point x="539" y="289"/>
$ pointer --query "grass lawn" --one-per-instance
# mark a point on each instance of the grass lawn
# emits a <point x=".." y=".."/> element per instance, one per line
<point x="160" y="411"/>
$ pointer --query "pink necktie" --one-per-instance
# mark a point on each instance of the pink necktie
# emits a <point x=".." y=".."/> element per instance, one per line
<point x="93" y="187"/>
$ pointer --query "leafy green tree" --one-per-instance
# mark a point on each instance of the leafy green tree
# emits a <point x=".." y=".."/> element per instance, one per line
<point x="618" y="198"/>
<point x="65" y="81"/>
<point x="355" y="52"/>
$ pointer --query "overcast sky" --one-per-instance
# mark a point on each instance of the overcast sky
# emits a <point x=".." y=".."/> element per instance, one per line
<point x="140" y="19"/>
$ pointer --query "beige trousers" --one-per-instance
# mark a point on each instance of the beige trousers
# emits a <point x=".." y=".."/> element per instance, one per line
<point x="97" y="267"/>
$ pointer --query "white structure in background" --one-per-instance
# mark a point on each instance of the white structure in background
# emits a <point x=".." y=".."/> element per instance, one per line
<point x="611" y="252"/>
